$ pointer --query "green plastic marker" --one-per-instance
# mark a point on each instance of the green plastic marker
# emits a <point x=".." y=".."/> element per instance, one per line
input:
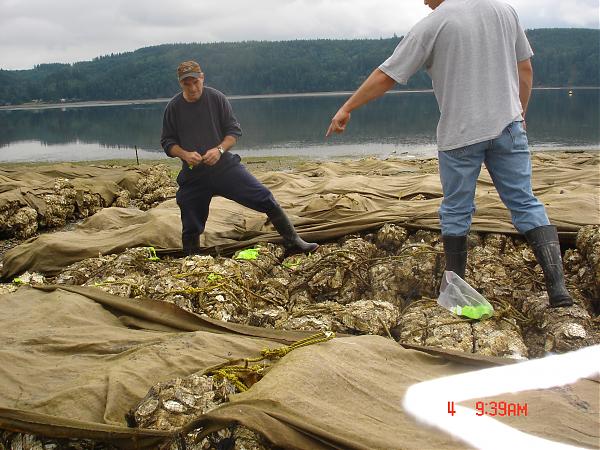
<point x="249" y="254"/>
<point x="474" y="312"/>
<point x="152" y="254"/>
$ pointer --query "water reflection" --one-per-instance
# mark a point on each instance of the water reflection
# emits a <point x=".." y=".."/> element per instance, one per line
<point x="396" y="122"/>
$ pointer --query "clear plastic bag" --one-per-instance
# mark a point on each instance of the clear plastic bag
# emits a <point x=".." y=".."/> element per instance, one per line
<point x="461" y="299"/>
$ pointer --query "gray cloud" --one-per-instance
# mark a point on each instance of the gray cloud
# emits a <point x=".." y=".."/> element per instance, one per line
<point x="38" y="31"/>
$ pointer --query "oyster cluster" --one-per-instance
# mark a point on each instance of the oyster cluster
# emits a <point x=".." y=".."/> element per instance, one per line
<point x="175" y="403"/>
<point x="155" y="186"/>
<point x="53" y="204"/>
<point x="22" y="441"/>
<point x="584" y="264"/>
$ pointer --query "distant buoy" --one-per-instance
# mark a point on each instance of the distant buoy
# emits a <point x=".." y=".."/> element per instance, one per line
<point x="570" y="92"/>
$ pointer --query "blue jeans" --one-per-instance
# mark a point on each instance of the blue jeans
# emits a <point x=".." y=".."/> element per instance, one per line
<point x="508" y="161"/>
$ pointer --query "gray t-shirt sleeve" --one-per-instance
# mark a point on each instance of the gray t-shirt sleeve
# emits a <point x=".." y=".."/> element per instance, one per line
<point x="408" y="57"/>
<point x="522" y="48"/>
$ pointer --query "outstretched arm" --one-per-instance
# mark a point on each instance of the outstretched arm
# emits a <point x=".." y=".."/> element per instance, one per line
<point x="373" y="87"/>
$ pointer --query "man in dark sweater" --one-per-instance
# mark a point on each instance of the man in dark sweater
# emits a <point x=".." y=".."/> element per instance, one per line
<point x="199" y="127"/>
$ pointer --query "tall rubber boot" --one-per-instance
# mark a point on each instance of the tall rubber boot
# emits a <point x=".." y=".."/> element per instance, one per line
<point x="190" y="244"/>
<point x="285" y="228"/>
<point x="455" y="251"/>
<point x="546" y="247"/>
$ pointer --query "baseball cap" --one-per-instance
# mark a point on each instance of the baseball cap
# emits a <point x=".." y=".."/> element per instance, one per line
<point x="188" y="69"/>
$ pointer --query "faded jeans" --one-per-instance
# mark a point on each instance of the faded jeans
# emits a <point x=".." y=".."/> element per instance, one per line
<point x="508" y="162"/>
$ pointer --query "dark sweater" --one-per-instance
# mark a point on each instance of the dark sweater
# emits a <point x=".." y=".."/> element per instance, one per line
<point x="198" y="126"/>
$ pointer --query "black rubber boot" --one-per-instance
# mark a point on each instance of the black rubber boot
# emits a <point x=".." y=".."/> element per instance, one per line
<point x="285" y="228"/>
<point x="190" y="244"/>
<point x="455" y="251"/>
<point x="546" y="247"/>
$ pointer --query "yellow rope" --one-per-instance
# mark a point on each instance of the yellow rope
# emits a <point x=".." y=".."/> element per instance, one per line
<point x="280" y="352"/>
<point x="233" y="373"/>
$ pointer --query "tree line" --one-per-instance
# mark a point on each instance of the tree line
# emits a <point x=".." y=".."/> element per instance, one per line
<point x="563" y="57"/>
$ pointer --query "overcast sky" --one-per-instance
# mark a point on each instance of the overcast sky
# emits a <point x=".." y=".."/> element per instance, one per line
<point x="44" y="31"/>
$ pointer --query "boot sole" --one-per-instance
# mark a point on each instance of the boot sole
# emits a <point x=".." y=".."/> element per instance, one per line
<point x="561" y="303"/>
<point x="296" y="251"/>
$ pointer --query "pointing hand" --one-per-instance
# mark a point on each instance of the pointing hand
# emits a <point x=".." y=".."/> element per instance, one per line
<point x="339" y="122"/>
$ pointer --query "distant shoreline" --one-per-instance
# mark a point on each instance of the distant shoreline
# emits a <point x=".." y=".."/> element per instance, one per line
<point x="272" y="161"/>
<point x="284" y="161"/>
<point x="98" y="103"/>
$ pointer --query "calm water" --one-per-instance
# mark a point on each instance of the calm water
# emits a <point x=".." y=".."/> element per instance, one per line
<point x="399" y="124"/>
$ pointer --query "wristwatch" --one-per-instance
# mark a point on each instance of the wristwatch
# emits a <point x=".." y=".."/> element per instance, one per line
<point x="221" y="149"/>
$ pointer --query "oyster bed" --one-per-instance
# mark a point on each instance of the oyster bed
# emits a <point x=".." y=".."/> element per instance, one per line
<point x="384" y="282"/>
<point x="60" y="201"/>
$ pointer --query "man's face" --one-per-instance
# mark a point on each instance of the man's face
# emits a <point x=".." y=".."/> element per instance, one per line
<point x="192" y="88"/>
<point x="433" y="3"/>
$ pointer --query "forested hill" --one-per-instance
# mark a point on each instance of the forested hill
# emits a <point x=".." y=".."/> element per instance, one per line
<point x="563" y="57"/>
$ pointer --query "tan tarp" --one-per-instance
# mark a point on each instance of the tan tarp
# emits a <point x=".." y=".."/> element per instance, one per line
<point x="326" y="200"/>
<point x="26" y="186"/>
<point x="70" y="366"/>
<point x="30" y="176"/>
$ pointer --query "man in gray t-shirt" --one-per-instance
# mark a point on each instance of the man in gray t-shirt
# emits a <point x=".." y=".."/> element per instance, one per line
<point x="478" y="58"/>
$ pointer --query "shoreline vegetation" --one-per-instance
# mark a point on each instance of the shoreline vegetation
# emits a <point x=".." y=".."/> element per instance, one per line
<point x="563" y="57"/>
<point x="99" y="103"/>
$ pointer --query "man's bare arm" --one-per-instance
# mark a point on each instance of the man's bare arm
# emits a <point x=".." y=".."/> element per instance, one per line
<point x="373" y="87"/>
<point x="525" y="83"/>
<point x="228" y="142"/>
